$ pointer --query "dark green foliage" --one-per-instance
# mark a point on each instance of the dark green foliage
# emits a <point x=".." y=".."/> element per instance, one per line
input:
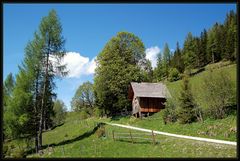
<point x="189" y="55"/>
<point x="213" y="44"/>
<point x="230" y="26"/>
<point x="186" y="113"/>
<point x="202" y="57"/>
<point x="121" y="61"/>
<point x="169" y="113"/>
<point x="220" y="94"/>
<point x="177" y="60"/>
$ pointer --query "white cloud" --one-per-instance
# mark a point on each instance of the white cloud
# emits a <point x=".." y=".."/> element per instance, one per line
<point x="91" y="66"/>
<point x="78" y="65"/>
<point x="151" y="54"/>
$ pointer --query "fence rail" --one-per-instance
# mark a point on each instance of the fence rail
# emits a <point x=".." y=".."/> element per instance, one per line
<point x="130" y="135"/>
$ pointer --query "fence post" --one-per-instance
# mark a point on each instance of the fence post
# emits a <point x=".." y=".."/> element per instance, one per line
<point x="153" y="138"/>
<point x="63" y="151"/>
<point x="131" y="135"/>
<point x="113" y="135"/>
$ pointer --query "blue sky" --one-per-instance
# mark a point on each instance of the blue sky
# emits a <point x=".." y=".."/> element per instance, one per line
<point x="88" y="27"/>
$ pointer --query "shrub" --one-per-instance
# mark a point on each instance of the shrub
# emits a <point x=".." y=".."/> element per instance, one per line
<point x="19" y="153"/>
<point x="5" y="150"/>
<point x="219" y="93"/>
<point x="173" y="74"/>
<point x="97" y="112"/>
<point x="169" y="113"/>
<point x="101" y="132"/>
<point x="83" y="114"/>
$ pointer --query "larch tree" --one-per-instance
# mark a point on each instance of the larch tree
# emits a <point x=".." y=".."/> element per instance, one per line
<point x="8" y="87"/>
<point x="31" y="105"/>
<point x="52" y="52"/>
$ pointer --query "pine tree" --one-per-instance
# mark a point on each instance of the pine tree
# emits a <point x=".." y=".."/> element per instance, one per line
<point x="158" y="72"/>
<point x="203" y="49"/>
<point x="177" y="60"/>
<point x="188" y="52"/>
<point x="186" y="112"/>
<point x="166" y="60"/>
<point x="230" y="26"/>
<point x="197" y="52"/>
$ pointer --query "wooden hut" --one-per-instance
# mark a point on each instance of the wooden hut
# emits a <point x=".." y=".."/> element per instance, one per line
<point x="147" y="97"/>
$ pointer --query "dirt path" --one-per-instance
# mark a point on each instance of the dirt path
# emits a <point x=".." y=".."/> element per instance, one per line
<point x="175" y="135"/>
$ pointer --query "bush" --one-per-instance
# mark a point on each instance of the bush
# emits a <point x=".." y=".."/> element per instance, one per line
<point x="169" y="113"/>
<point x="5" y="150"/>
<point x="101" y="132"/>
<point x="219" y="93"/>
<point x="83" y="114"/>
<point x="19" y="153"/>
<point x="173" y="75"/>
<point x="97" y="112"/>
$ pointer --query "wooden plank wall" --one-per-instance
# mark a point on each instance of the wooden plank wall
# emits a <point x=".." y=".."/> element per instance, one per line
<point x="151" y="104"/>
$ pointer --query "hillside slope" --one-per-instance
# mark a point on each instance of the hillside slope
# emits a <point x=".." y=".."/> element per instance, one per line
<point x="78" y="138"/>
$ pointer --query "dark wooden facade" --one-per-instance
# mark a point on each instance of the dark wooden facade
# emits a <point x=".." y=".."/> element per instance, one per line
<point x="148" y="104"/>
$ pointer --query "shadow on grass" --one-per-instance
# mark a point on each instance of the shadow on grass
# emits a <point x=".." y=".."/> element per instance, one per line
<point x="57" y="126"/>
<point x="118" y="117"/>
<point x="85" y="135"/>
<point x="138" y="142"/>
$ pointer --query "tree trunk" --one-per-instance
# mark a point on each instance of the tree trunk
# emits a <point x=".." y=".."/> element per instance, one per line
<point x="43" y="102"/>
<point x="35" y="113"/>
<point x="213" y="57"/>
<point x="44" y="120"/>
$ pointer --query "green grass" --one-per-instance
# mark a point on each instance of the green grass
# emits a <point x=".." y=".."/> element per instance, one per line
<point x="215" y="129"/>
<point x="92" y="146"/>
<point x="196" y="81"/>
<point x="78" y="138"/>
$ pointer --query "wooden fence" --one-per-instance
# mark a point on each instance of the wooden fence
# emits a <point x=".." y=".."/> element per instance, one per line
<point x="133" y="136"/>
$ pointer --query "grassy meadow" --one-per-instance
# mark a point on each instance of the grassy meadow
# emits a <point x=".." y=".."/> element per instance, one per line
<point x="78" y="138"/>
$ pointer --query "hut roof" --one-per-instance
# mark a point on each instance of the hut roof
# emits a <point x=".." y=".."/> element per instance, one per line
<point x="157" y="90"/>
